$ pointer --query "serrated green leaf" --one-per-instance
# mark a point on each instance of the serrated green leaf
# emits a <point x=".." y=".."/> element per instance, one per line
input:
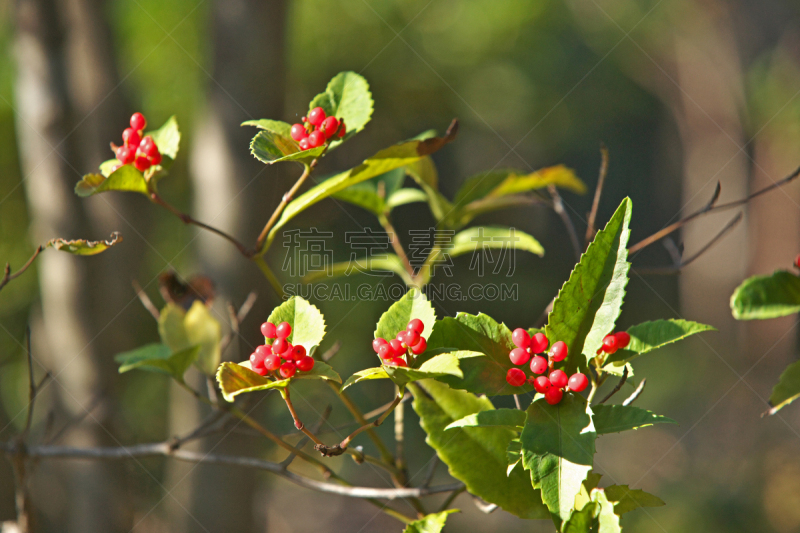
<point x="125" y="178"/>
<point x="277" y="127"/>
<point x="558" y="450"/>
<point x="512" y="419"/>
<point x="270" y="147"/>
<point x="649" y="336"/>
<point x="377" y="372"/>
<point x="474" y="456"/>
<point x="513" y="455"/>
<point x="181" y="329"/>
<point x="608" y="519"/>
<point x="308" y="324"/>
<point x="107" y="167"/>
<point x="167" y="138"/>
<point x="762" y="297"/>
<point x="491" y="237"/>
<point x="84" y="247"/>
<point x="582" y="521"/>
<point x="787" y="390"/>
<point x="446" y="364"/>
<point x="590" y="301"/>
<point x="481" y="335"/>
<point x="618" y="418"/>
<point x="235" y="379"/>
<point x="506" y="182"/>
<point x="626" y="499"/>
<point x="348" y="98"/>
<point x="432" y="523"/>
<point x="158" y="358"/>
<point x="413" y="305"/>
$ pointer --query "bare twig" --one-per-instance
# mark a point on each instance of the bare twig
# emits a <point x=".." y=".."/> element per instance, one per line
<point x="325" y="414"/>
<point x="484" y="507"/>
<point x="618" y="387"/>
<point x="31" y="384"/>
<point x="434" y="462"/>
<point x="146" y="301"/>
<point x="394" y="240"/>
<point x="348" y="402"/>
<point x="8" y="276"/>
<point x="328" y="354"/>
<point x="450" y="499"/>
<point x="632" y="398"/>
<point x="247" y="306"/>
<point x="517" y="402"/>
<point x="339" y="449"/>
<point x="384" y="407"/>
<point x="297" y="422"/>
<point x="69" y="424"/>
<point x="590" y="229"/>
<point x="558" y="207"/>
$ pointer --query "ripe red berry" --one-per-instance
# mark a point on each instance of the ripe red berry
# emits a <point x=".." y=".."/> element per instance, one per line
<point x="558" y="352"/>
<point x="280" y="346"/>
<point x="342" y="130"/>
<point x="398" y="361"/>
<point x="329" y="126"/>
<point x="397" y="348"/>
<point x="416" y="325"/>
<point x="516" y="377"/>
<point x="420" y="347"/>
<point x="610" y="344"/>
<point x="385" y="351"/>
<point x="797" y="261"/>
<point x="304" y="119"/>
<point x="257" y="362"/>
<point x="156" y="159"/>
<point x="272" y="362"/>
<point x="124" y="155"/>
<point x="283" y="330"/>
<point x="411" y="338"/>
<point x="288" y="369"/>
<point x="558" y="378"/>
<point x="141" y="163"/>
<point x="268" y="330"/>
<point x="304" y="144"/>
<point x="299" y="132"/>
<point x="131" y="137"/>
<point x="553" y="395"/>
<point x="305" y="363"/>
<point x="542" y="384"/>
<point x="539" y="343"/>
<point x="623" y="339"/>
<point x="148" y="147"/>
<point x="298" y="352"/>
<point x="519" y="356"/>
<point x="538" y="364"/>
<point x="138" y="122"/>
<point x="377" y="343"/>
<point x="401" y="335"/>
<point x="521" y="338"/>
<point x="316" y="116"/>
<point x="316" y="138"/>
<point x="264" y="350"/>
<point x="578" y="382"/>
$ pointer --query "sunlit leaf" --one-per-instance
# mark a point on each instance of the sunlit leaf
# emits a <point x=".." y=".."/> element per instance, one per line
<point x="275" y="126"/>
<point x="479" y="238"/>
<point x="506" y="182"/>
<point x="787" y="390"/>
<point x="308" y="324"/>
<point x="512" y="419"/>
<point x="770" y="296"/>
<point x="84" y="247"/>
<point x="443" y="365"/>
<point x="235" y="379"/>
<point x="617" y="418"/>
<point x="378" y="372"/>
<point x="374" y="266"/>
<point x="432" y="523"/>
<point x="125" y="178"/>
<point x="181" y="329"/>
<point x="649" y="336"/>
<point x="626" y="499"/>
<point x="167" y="138"/>
<point x="413" y="305"/>
<point x="158" y="358"/>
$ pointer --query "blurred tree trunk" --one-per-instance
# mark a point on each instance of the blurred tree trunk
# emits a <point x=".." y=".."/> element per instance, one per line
<point x="67" y="105"/>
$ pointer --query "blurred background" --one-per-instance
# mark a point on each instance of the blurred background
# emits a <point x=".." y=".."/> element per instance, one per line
<point x="684" y="94"/>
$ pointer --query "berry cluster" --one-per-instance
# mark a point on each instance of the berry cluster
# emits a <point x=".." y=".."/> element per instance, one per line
<point x="141" y="152"/>
<point x="267" y="357"/>
<point x="317" y="129"/>
<point x="615" y="341"/>
<point x="552" y="383"/>
<point x="395" y="351"/>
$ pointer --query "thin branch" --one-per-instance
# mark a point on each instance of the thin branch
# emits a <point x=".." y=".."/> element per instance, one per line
<point x="262" y="237"/>
<point x="348" y="402"/>
<point x="31" y="385"/>
<point x="708" y="208"/>
<point x="484" y="507"/>
<point x="8" y="276"/>
<point x="590" y="229"/>
<point x="325" y="414"/>
<point x="517" y="402"/>
<point x="434" y="462"/>
<point x="247" y="306"/>
<point x="394" y="240"/>
<point x="339" y="449"/>
<point x="450" y="499"/>
<point x="558" y="207"/>
<point x="297" y="422"/>
<point x="328" y="354"/>
<point x="632" y="398"/>
<point x="384" y="407"/>
<point x="618" y="387"/>
<point x="146" y="301"/>
<point x="69" y="424"/>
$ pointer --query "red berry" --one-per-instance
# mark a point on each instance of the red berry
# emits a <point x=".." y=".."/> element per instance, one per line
<point x="329" y="126"/>
<point x="377" y="343"/>
<point x="148" y="146"/>
<point x="553" y="395"/>
<point x="558" y="378"/>
<point x="397" y="348"/>
<point x="303" y="119"/>
<point x="411" y="338"/>
<point x="542" y="384"/>
<point x="305" y="363"/>
<point x="416" y="325"/>
<point x="131" y="137"/>
<point x="156" y="159"/>
<point x="283" y="330"/>
<point x="623" y="339"/>
<point x="558" y="352"/>
<point x="280" y="346"/>
<point x="264" y="350"/>
<point x="420" y="347"/>
<point x="539" y="343"/>
<point x="316" y="138"/>
<point x="610" y="344"/>
<point x="516" y="377"/>
<point x="521" y="338"/>
<point x="578" y="382"/>
<point x="288" y="369"/>
<point x="298" y="352"/>
<point x="385" y="351"/>
<point x="141" y="163"/>
<point x="272" y="362"/>
<point x="138" y="122"/>
<point x="398" y="361"/>
<point x="797" y="261"/>
<point x="538" y="364"/>
<point x="316" y="116"/>
<point x="304" y="145"/>
<point x="519" y="356"/>
<point x="124" y="155"/>
<point x="299" y="132"/>
<point x="257" y="362"/>
<point x="342" y="130"/>
<point x="268" y="330"/>
<point x="401" y="335"/>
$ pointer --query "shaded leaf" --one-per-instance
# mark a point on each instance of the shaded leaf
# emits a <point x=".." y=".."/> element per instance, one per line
<point x="125" y="178"/>
<point x="626" y="499"/>
<point x="84" y="247"/>
<point x="374" y="193"/>
<point x="167" y="138"/>
<point x="477" y="457"/>
<point x="506" y="182"/>
<point x="270" y="147"/>
<point x="158" y="358"/>
<point x="235" y="379"/>
<point x="590" y="301"/>
<point x="432" y="523"/>
<point x="649" y="336"/>
<point x="181" y="329"/>
<point x="425" y="174"/>
<point x="308" y="324"/>
<point x="770" y="296"/>
<point x="377" y="372"/>
<point x="413" y="305"/>
<point x="512" y="419"/>
<point x="446" y="364"/>
<point x="582" y="521"/>
<point x="478" y="238"/>
<point x="787" y="390"/>
<point x="513" y="455"/>
<point x="618" y="418"/>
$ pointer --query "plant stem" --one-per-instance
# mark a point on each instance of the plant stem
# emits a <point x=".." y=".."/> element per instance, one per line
<point x="386" y="455"/>
<point x="271" y="278"/>
<point x="8" y="276"/>
<point x="297" y="422"/>
<point x="340" y="448"/>
<point x="261" y="242"/>
<point x="394" y="240"/>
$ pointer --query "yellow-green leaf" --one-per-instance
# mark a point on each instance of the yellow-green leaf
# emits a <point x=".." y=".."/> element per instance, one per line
<point x="84" y="247"/>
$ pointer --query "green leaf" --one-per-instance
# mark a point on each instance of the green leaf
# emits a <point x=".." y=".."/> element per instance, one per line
<point x="347" y="97"/>
<point x="582" y="521"/>
<point x="377" y="372"/>
<point x="475" y="456"/>
<point x="472" y="335"/>
<point x="181" y="329"/>
<point x="413" y="305"/>
<point x="405" y="196"/>
<point x="488" y="237"/>
<point x="158" y="358"/>
<point x="425" y="174"/>
<point x="167" y="138"/>
<point x="618" y="418"/>
<point x="446" y="364"/>
<point x="787" y="390"/>
<point x="373" y="193"/>
<point x="235" y="379"/>
<point x="388" y="159"/>
<point x="626" y="499"/>
<point x="125" y="178"/>
<point x="512" y="419"/>
<point x="308" y="324"/>
<point x="590" y="301"/>
<point x="84" y="247"/>
<point x="513" y="455"/>
<point x="558" y="449"/>
<point x="277" y="127"/>
<point x="506" y="182"/>
<point x="608" y="519"/>
<point x="372" y="265"/>
<point x="270" y="147"/>
<point x="432" y="523"/>
<point x="763" y="297"/>
<point x="649" y="336"/>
